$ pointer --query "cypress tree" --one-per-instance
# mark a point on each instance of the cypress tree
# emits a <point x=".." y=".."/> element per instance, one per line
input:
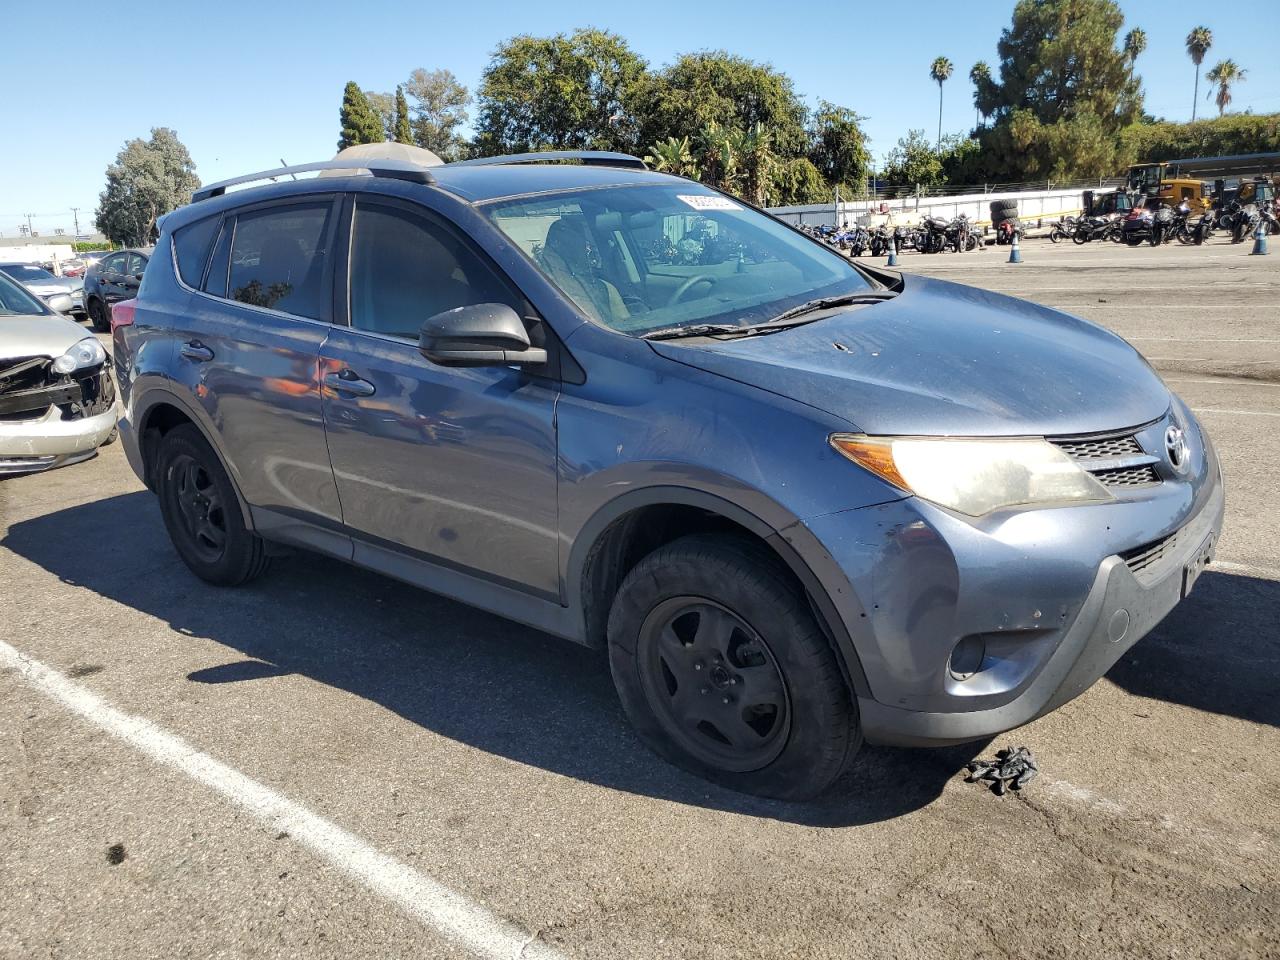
<point x="359" y="122"/>
<point x="404" y="133"/>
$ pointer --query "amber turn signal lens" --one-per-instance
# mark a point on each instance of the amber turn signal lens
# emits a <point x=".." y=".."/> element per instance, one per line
<point x="875" y="455"/>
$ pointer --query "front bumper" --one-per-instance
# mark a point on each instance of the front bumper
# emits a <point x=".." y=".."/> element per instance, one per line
<point x="50" y="424"/>
<point x="1044" y="596"/>
<point x="1120" y="608"/>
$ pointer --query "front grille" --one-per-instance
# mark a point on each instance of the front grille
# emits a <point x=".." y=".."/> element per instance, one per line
<point x="1140" y="476"/>
<point x="1105" y="448"/>
<point x="1115" y="459"/>
<point x="1140" y="558"/>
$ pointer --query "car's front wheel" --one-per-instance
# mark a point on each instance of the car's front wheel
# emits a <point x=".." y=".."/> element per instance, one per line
<point x="201" y="511"/>
<point x="723" y="670"/>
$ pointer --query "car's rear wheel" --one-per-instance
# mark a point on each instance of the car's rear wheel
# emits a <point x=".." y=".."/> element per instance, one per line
<point x="98" y="316"/>
<point x="723" y="670"/>
<point x="201" y="511"/>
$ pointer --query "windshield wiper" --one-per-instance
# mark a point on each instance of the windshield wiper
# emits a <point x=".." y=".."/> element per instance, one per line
<point x="826" y="303"/>
<point x="784" y="320"/>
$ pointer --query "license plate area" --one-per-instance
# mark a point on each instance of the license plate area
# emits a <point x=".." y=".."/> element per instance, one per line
<point x="1197" y="564"/>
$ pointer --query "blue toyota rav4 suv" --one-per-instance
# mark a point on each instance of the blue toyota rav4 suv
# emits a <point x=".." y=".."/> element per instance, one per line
<point x="801" y="502"/>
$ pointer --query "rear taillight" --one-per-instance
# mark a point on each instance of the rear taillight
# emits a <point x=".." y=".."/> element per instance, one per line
<point x="122" y="313"/>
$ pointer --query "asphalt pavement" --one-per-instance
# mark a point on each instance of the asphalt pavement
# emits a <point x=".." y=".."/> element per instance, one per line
<point x="327" y="763"/>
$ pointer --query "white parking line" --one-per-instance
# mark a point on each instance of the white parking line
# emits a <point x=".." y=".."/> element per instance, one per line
<point x="448" y="913"/>
<point x="1246" y="413"/>
<point x="1222" y="382"/>
<point x="1209" y="339"/>
<point x="1243" y="363"/>
<point x="1266" y="573"/>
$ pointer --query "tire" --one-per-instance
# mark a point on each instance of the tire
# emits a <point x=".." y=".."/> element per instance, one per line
<point x="112" y="437"/>
<point x="202" y="512"/>
<point x="1081" y="236"/>
<point x="1057" y="235"/>
<point x="764" y="709"/>
<point x="98" y="315"/>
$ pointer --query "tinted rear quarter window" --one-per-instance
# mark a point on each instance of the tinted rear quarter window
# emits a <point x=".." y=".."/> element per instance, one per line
<point x="191" y="249"/>
<point x="277" y="258"/>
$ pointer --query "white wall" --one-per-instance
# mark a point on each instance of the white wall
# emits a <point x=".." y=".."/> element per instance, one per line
<point x="36" y="253"/>
<point x="1033" y="206"/>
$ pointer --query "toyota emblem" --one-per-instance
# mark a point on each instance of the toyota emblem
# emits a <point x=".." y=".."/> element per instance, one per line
<point x="1175" y="445"/>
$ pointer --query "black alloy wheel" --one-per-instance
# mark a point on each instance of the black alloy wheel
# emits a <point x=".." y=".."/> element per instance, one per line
<point x="713" y="684"/>
<point x="200" y="507"/>
<point x="202" y="512"/>
<point x="723" y="670"/>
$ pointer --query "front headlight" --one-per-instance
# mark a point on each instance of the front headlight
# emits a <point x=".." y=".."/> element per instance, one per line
<point x="974" y="476"/>
<point x="87" y="353"/>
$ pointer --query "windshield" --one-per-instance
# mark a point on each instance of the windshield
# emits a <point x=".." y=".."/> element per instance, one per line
<point x="15" y="301"/>
<point x="644" y="258"/>
<point x="25" y="273"/>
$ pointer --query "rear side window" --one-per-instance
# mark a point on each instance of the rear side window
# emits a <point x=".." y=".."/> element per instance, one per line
<point x="277" y="259"/>
<point x="135" y="265"/>
<point x="191" y="249"/>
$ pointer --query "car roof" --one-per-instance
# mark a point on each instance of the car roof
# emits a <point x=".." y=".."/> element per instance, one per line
<point x="474" y="184"/>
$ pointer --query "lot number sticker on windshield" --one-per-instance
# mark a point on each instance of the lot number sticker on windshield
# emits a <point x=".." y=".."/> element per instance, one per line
<point x="700" y="201"/>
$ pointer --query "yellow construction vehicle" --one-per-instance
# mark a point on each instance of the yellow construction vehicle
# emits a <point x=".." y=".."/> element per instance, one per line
<point x="1152" y="181"/>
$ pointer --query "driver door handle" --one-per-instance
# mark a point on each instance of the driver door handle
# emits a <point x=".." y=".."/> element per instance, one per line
<point x="346" y="381"/>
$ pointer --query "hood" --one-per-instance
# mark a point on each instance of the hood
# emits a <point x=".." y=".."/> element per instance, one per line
<point x="47" y="288"/>
<point x="946" y="359"/>
<point x="37" y="336"/>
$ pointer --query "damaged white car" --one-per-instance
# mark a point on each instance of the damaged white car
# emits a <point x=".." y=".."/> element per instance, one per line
<point x="57" y="399"/>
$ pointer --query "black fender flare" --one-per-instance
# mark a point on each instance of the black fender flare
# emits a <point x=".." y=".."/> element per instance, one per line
<point x="781" y="541"/>
<point x="156" y="396"/>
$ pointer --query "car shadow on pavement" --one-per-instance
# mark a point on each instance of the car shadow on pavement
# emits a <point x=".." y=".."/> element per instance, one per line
<point x="459" y="672"/>
<point x="1218" y="652"/>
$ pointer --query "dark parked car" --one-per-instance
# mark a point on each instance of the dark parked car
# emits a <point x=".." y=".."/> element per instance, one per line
<point x="801" y="502"/>
<point x="113" y="278"/>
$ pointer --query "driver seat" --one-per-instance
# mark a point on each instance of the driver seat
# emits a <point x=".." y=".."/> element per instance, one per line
<point x="566" y="255"/>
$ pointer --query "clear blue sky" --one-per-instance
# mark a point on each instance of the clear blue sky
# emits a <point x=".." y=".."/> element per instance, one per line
<point x="246" y="84"/>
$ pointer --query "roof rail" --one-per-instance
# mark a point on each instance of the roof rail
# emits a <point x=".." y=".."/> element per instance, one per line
<point x="393" y="169"/>
<point x="590" y="158"/>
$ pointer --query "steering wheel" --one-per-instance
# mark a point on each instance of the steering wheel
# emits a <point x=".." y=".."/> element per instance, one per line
<point x="688" y="285"/>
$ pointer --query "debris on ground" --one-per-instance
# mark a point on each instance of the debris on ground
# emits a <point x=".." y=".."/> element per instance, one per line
<point x="1013" y="767"/>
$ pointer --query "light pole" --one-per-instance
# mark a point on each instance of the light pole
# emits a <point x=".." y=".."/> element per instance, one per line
<point x="75" y="214"/>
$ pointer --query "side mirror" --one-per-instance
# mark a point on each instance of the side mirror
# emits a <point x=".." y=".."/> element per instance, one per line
<point x="478" y="335"/>
<point x="60" y="303"/>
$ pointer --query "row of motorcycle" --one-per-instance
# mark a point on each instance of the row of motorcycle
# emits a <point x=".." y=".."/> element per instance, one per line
<point x="1165" y="224"/>
<point x="931" y="235"/>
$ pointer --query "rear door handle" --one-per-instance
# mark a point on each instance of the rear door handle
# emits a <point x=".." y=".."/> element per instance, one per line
<point x="346" y="381"/>
<point x="195" y="350"/>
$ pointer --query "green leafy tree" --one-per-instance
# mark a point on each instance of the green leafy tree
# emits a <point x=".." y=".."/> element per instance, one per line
<point x="1135" y="41"/>
<point x="148" y="179"/>
<point x="980" y="77"/>
<point x="1218" y="136"/>
<point x="914" y="162"/>
<point x="1223" y="75"/>
<point x="699" y="89"/>
<point x="1063" y="79"/>
<point x="574" y="92"/>
<point x="797" y="181"/>
<point x="718" y="158"/>
<point x="675" y="157"/>
<point x="384" y="108"/>
<point x="961" y="159"/>
<point x="940" y="73"/>
<point x="837" y="149"/>
<point x="360" y="123"/>
<point x="438" y="110"/>
<point x="401" y="131"/>
<point x="1199" y="41"/>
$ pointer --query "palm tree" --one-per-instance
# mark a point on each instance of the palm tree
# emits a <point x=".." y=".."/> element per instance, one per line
<point x="1135" y="42"/>
<point x="1199" y="41"/>
<point x="673" y="156"/>
<point x="940" y="71"/>
<point x="980" y="76"/>
<point x="1224" y="74"/>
